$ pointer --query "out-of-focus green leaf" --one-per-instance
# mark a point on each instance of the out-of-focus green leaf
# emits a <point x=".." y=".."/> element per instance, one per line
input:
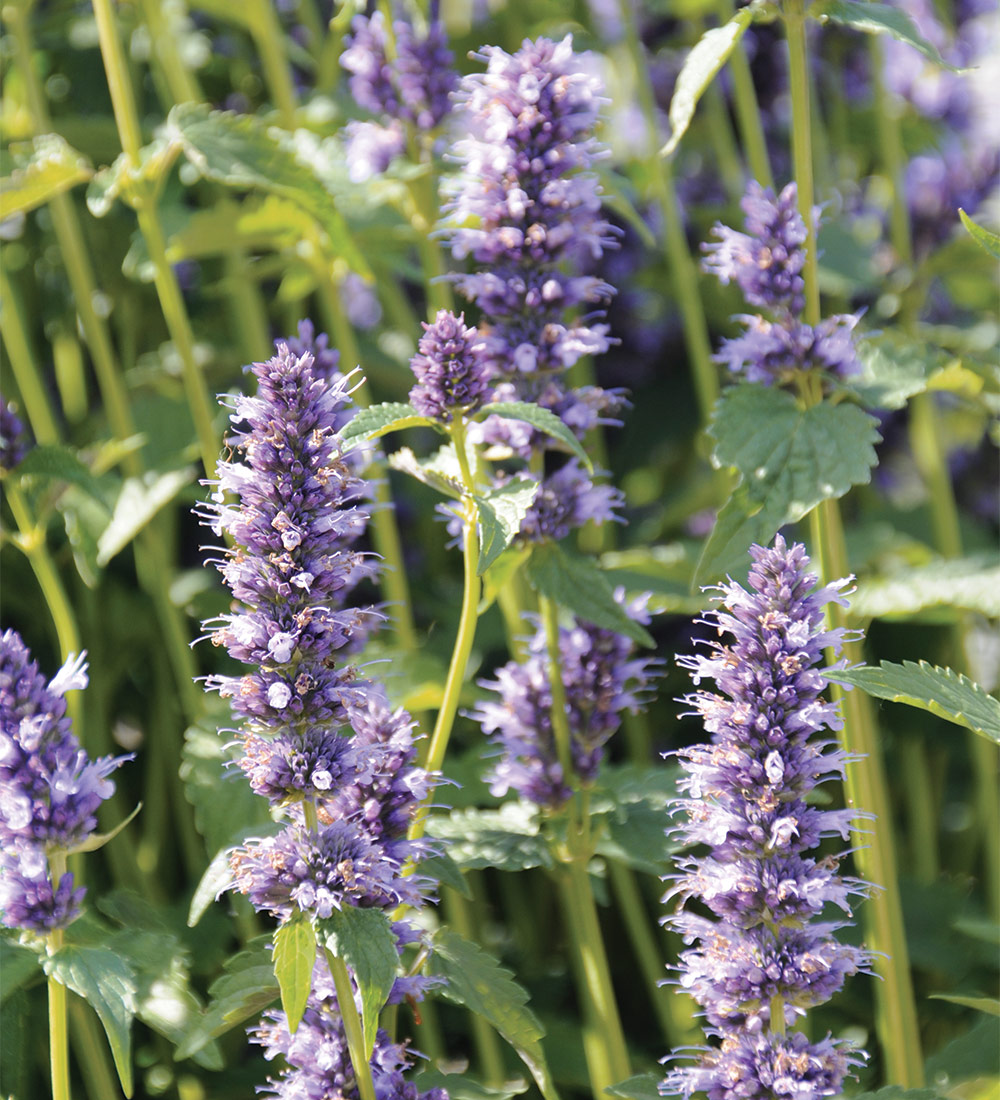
<point x="44" y="167"/>
<point x="700" y="67"/>
<point x="293" y="957"/>
<point x="631" y="804"/>
<point x="107" y="983"/>
<point x="139" y="500"/>
<point x="893" y="370"/>
<point x="364" y="939"/>
<point x="378" y="420"/>
<point x="507" y="838"/>
<point x="217" y="877"/>
<point x="18" y="965"/>
<point x="942" y="691"/>
<point x="476" y="980"/>
<point x="57" y="463"/>
<point x="790" y="459"/>
<point x="964" y="584"/>
<point x="875" y="18"/>
<point x="543" y="420"/>
<point x="579" y="585"/>
<point x="985" y="238"/>
<point x="445" y="870"/>
<point x="644" y="1086"/>
<point x="460" y="1087"/>
<point x="665" y="572"/>
<point x="501" y="511"/>
<point x="989" y="1005"/>
<point x="897" y="1092"/>
<point x="120" y="179"/>
<point x="974" y="1054"/>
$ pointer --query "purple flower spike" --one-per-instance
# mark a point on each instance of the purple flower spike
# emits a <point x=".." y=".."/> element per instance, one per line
<point x="748" y="800"/>
<point x="450" y="368"/>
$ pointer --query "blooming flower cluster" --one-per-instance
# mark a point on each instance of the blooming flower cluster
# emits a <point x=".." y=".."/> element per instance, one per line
<point x="748" y="799"/>
<point x="450" y="368"/>
<point x="403" y="79"/>
<point x="49" y="788"/>
<point x="320" y="743"/>
<point x="766" y="263"/>
<point x="602" y="678"/>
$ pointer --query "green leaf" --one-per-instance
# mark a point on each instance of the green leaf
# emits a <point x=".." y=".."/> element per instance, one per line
<point x="665" y="572"/>
<point x="959" y="584"/>
<point x="294" y="956"/>
<point x="18" y="965"/>
<point x="240" y="151"/>
<point x="460" y="1087"/>
<point x="501" y="573"/>
<point x="631" y="803"/>
<point x="106" y="981"/>
<point x="974" y="1054"/>
<point x="476" y="980"/>
<point x="541" y="419"/>
<point x="893" y="370"/>
<point x="245" y="990"/>
<point x="217" y="877"/>
<point x="942" y="691"/>
<point x="501" y="511"/>
<point x="56" y="463"/>
<point x="138" y="502"/>
<point x="440" y="471"/>
<point x="989" y="1005"/>
<point x="897" y="1092"/>
<point x="790" y="459"/>
<point x="875" y="18"/>
<point x="443" y="868"/>
<point x="985" y="238"/>
<point x="120" y="178"/>
<point x="44" y="167"/>
<point x="644" y="1086"/>
<point x="364" y="939"/>
<point x="95" y="841"/>
<point x="581" y="586"/>
<point x="700" y="67"/>
<point x="508" y="838"/>
<point x="392" y="416"/>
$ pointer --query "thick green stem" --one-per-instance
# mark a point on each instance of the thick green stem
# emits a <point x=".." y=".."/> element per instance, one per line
<point x="867" y="789"/>
<point x="683" y="268"/>
<point x="560" y="721"/>
<point x="269" y="38"/>
<point x="748" y="117"/>
<point x="29" y="385"/>
<point x="352" y="1025"/>
<point x="727" y="153"/>
<point x="920" y="805"/>
<point x="58" y="1031"/>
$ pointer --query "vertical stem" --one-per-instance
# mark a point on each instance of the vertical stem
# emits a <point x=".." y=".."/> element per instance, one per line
<point x="727" y="154"/>
<point x="29" y="384"/>
<point x="560" y="722"/>
<point x="920" y="804"/>
<point x="747" y="109"/>
<point x="91" y="1054"/>
<point x="58" y="1032"/>
<point x="266" y="30"/>
<point x="352" y="1025"/>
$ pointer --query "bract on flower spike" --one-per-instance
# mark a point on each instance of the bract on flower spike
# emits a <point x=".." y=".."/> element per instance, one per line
<point x="770" y="947"/>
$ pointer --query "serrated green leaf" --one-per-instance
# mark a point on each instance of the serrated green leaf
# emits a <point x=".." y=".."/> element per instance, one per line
<point x="700" y="67"/>
<point x="18" y="965"/>
<point x="963" y="584"/>
<point x="120" y="178"/>
<point x="294" y="956"/>
<point x="579" y="585"/>
<point x="942" y="691"/>
<point x="644" y="1086"/>
<point x="459" y="1087"/>
<point x="364" y="939"/>
<point x="875" y="18"/>
<point x="57" y="463"/>
<point x="989" y="1005"/>
<point x="985" y="238"/>
<point x="44" y="167"/>
<point x="240" y="151"/>
<point x="631" y="805"/>
<point x="107" y="983"/>
<point x="377" y="420"/>
<point x="893" y="370"/>
<point x="138" y="502"/>
<point x="440" y="471"/>
<point x="508" y="838"/>
<point x="478" y="981"/>
<point x="501" y="511"/>
<point x="790" y="459"/>
<point x="501" y="573"/>
<point x="541" y="419"/>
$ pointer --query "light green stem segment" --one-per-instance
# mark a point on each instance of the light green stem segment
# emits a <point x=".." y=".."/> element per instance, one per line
<point x="58" y="1031"/>
<point x="560" y="722"/>
<point x="747" y="109"/>
<point x="267" y="34"/>
<point x="867" y="789"/>
<point x="352" y="1025"/>
<point x="15" y="338"/>
<point x="683" y="268"/>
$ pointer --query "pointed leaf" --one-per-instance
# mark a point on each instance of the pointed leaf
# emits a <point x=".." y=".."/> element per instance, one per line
<point x="508" y="838"/>
<point x="294" y="956"/>
<point x="440" y="471"/>
<point x="985" y="238"/>
<point x="138" y="502"/>
<point x="364" y="939"/>
<point x="501" y="511"/>
<point x="580" y="585"/>
<point x="107" y="983"/>
<point x="958" y="584"/>
<point x="644" y="1086"/>
<point x="44" y="167"/>
<point x="217" y="877"/>
<point x="875" y="18"/>
<point x="377" y="420"/>
<point x="544" y="420"/>
<point x="96" y="841"/>
<point x="989" y="1005"/>
<point x="476" y="980"/>
<point x="790" y="459"/>
<point x="700" y="67"/>
<point x="57" y="463"/>
<point x="459" y="1087"/>
<point x="445" y="870"/>
<point x="942" y="691"/>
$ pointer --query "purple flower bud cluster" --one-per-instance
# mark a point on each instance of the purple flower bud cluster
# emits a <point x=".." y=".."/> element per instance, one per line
<point x="602" y="677"/>
<point x="450" y="368"/>
<point x="407" y="83"/>
<point x="766" y="263"/>
<point x="313" y="733"/>
<point x="748" y="799"/>
<point x="12" y="441"/>
<point x="49" y="788"/>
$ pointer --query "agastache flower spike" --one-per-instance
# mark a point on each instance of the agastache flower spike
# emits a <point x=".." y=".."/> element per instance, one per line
<point x="450" y="368"/>
<point x="748" y="792"/>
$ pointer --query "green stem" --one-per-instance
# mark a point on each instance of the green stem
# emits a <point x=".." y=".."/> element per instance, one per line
<point x="269" y="38"/>
<point x="727" y="153"/>
<point x="560" y="721"/>
<point x="747" y="108"/>
<point x="919" y="801"/>
<point x="352" y="1025"/>
<point x="29" y="385"/>
<point x="867" y="789"/>
<point x="890" y="140"/>
<point x="683" y="269"/>
<point x="90" y="1050"/>
<point x="58" y="1032"/>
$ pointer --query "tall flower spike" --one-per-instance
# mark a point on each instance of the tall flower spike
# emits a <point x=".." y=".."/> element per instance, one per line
<point x="748" y="801"/>
<point x="450" y="368"/>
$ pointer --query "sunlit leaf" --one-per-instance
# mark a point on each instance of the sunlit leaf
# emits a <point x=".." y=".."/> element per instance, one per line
<point x="501" y="512"/>
<point x="138" y="502"/>
<point x="44" y="167"/>
<point x="378" y="420"/>
<point x="875" y="18"/>
<point x="985" y="238"/>
<point x="293" y="957"/>
<point x="542" y="420"/>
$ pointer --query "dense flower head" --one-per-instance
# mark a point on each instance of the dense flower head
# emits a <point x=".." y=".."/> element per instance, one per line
<point x="298" y="765"/>
<point x="566" y="501"/>
<point x="49" y="787"/>
<point x="766" y="261"/>
<point x="12" y="436"/>
<point x="771" y="351"/>
<point x="603" y="679"/>
<point x="450" y="368"/>
<point x="293" y="565"/>
<point x="747" y="797"/>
